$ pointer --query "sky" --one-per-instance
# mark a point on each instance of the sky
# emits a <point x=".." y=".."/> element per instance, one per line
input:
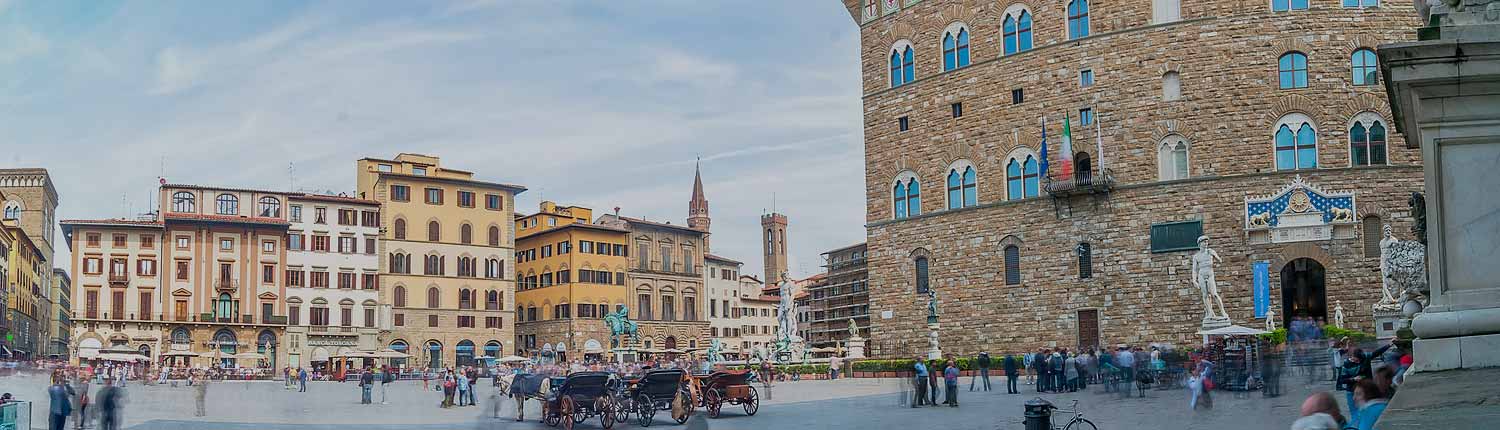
<point x="601" y="104"/>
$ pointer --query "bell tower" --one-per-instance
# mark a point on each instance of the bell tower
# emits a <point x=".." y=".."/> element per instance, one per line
<point x="773" y="226"/>
<point x="698" y="207"/>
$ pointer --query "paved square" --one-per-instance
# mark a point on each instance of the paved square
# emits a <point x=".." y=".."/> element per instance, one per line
<point x="865" y="404"/>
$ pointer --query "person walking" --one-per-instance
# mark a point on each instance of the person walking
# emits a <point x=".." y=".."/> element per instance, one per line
<point x="919" y="397"/>
<point x="1070" y="372"/>
<point x="833" y="366"/>
<point x="1009" y="364"/>
<point x="81" y="402"/>
<point x="950" y="384"/>
<point x="1126" y="362"/>
<point x="60" y="407"/>
<point x="449" y="386"/>
<point x="301" y="380"/>
<point x="111" y="397"/>
<point x="386" y="377"/>
<point x="984" y="370"/>
<point x="1028" y="364"/>
<point x="366" y="385"/>
<point x="1043" y="374"/>
<point x="200" y="392"/>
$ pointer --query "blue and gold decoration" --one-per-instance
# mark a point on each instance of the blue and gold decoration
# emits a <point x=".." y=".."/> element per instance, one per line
<point x="1299" y="197"/>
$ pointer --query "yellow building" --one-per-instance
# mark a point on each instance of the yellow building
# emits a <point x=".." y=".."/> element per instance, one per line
<point x="443" y="314"/>
<point x="570" y="272"/>
<point x="23" y="293"/>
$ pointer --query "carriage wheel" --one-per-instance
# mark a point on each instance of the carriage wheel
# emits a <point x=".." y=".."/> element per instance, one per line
<point x="714" y="401"/>
<point x="752" y="402"/>
<point x="605" y="406"/>
<point x="566" y="412"/>
<point x="645" y="410"/>
<point x="623" y="407"/>
<point x="550" y="417"/>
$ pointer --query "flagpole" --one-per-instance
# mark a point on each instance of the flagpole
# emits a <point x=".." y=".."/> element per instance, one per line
<point x="1099" y="140"/>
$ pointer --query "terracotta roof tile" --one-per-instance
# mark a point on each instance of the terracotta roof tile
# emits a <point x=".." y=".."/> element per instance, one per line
<point x="226" y="218"/>
<point x="125" y="222"/>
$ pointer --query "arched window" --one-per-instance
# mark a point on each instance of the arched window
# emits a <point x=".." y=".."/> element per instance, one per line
<point x="494" y="236"/>
<point x="1361" y="3"/>
<point x="906" y="196"/>
<point x="399" y="296"/>
<point x="183" y="201"/>
<point x="1296" y="143"/>
<point x="1172" y="158"/>
<point x="225" y="307"/>
<point x="902" y="70"/>
<point x="492" y="300"/>
<point x="1367" y="140"/>
<point x="1171" y="86"/>
<point x="1012" y="265"/>
<point x="920" y="267"/>
<point x="1078" y="19"/>
<point x="12" y="210"/>
<point x="434" y="231"/>
<point x="270" y="207"/>
<point x="1016" y="29"/>
<point x="433" y="298"/>
<point x="898" y="200"/>
<point x="1371" y="228"/>
<point x="962" y="189"/>
<point x="400" y="229"/>
<point x="1292" y="68"/>
<point x="1028" y="181"/>
<point x="180" y="336"/>
<point x="466" y="299"/>
<point x="955" y="47"/>
<point x="228" y="204"/>
<point x="1363" y="64"/>
<point x="466" y="234"/>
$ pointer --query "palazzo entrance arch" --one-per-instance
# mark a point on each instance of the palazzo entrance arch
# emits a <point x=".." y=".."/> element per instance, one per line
<point x="1303" y="291"/>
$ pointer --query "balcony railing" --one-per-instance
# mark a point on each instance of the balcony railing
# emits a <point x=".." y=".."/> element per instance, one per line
<point x="227" y="283"/>
<point x="1083" y="182"/>
<point x="119" y="278"/>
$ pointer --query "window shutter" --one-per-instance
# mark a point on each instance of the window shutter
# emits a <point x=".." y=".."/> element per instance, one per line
<point x="1373" y="235"/>
<point x="1085" y="261"/>
<point x="1012" y="265"/>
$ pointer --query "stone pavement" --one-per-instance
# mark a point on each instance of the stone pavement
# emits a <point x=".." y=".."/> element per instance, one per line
<point x="1452" y="399"/>
<point x="865" y="404"/>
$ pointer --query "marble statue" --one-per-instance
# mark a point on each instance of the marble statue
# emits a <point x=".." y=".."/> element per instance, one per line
<point x="853" y="329"/>
<point x="714" y="354"/>
<point x="932" y="308"/>
<point x="1202" y="264"/>
<point x="1403" y="275"/>
<point x="1270" y="320"/>
<point x="787" y="309"/>
<point x="1338" y="313"/>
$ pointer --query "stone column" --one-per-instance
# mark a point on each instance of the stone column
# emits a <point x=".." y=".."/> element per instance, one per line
<point x="1445" y="95"/>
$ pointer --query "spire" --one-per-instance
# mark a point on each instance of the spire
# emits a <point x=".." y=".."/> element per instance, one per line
<point x="698" y="206"/>
<point x="698" y="187"/>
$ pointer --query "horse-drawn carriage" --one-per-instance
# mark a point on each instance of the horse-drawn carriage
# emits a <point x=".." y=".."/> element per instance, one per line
<point x="578" y="397"/>
<point x="729" y="387"/>
<point x="656" y="390"/>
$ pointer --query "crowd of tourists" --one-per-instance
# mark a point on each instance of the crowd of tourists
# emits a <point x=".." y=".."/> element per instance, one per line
<point x="1368" y="380"/>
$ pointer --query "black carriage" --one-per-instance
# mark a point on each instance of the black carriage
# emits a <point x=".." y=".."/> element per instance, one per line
<point x="578" y="397"/>
<point x="730" y="387"/>
<point x="655" y="391"/>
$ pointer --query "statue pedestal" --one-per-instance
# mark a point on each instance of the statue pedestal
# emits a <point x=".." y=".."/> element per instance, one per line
<point x="933" y="351"/>
<point x="1433" y="87"/>
<point x="1210" y="323"/>
<point x="856" y="348"/>
<point x="624" y="355"/>
<point x="1387" y="321"/>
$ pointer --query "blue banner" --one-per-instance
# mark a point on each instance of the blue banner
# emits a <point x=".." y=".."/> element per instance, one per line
<point x="1260" y="274"/>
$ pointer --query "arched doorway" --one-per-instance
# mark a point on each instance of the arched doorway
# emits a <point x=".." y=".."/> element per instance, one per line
<point x="265" y="344"/>
<point x="401" y="347"/>
<point x="434" y="354"/>
<point x="464" y="353"/>
<point x="670" y="342"/>
<point x="1083" y="170"/>
<point x="1302" y="291"/>
<point x="228" y="345"/>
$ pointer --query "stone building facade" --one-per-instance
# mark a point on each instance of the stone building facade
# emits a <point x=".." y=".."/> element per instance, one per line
<point x="332" y="280"/>
<point x="119" y="285"/>
<point x="665" y="272"/>
<point x="843" y="298"/>
<point x="570" y="274"/>
<point x="1260" y="126"/>
<point x="443" y="226"/>
<point x="30" y="202"/>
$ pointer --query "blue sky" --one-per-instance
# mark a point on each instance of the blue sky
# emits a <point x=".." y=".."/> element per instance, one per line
<point x="600" y="104"/>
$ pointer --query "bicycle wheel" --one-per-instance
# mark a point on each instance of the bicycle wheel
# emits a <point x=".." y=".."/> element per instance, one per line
<point x="1080" y="424"/>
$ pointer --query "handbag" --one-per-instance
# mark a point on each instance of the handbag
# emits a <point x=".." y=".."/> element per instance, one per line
<point x="1208" y="383"/>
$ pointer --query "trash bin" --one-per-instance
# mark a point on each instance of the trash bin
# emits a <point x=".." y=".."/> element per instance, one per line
<point x="1038" y="414"/>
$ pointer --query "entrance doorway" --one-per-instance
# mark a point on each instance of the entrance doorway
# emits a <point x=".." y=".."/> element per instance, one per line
<point x="1088" y="329"/>
<point x="1302" y="291"/>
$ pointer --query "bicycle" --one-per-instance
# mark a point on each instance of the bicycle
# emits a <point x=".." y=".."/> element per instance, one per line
<point x="1078" y="422"/>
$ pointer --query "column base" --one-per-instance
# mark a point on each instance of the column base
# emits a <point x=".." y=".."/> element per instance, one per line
<point x="1462" y="352"/>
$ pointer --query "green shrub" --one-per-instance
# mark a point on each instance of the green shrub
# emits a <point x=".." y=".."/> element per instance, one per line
<point x="1276" y="337"/>
<point x="1332" y="332"/>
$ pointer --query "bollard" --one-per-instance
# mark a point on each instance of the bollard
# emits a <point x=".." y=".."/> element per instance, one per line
<point x="1038" y="414"/>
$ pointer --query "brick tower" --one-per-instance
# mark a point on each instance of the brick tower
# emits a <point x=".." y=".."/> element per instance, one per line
<point x="698" y="207"/>
<point x="774" y="225"/>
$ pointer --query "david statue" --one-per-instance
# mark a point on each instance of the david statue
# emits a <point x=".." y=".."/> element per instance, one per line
<point x="1202" y="264"/>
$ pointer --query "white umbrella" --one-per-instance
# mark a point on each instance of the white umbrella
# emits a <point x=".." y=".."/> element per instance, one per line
<point x="514" y="359"/>
<point x="250" y="356"/>
<point x="1232" y="330"/>
<point x="361" y="354"/>
<point x="391" y="353"/>
<point x="180" y="353"/>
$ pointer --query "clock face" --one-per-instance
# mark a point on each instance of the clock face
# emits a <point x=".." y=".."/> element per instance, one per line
<point x="1300" y="202"/>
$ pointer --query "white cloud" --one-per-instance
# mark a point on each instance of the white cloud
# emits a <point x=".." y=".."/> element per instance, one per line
<point x="173" y="72"/>
<point x="671" y="66"/>
<point x="18" y="42"/>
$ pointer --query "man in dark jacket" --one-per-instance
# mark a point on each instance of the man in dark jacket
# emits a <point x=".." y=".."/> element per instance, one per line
<point x="984" y="370"/>
<point x="110" y="400"/>
<point x="1043" y="371"/>
<point x="1009" y="362"/>
<point x="60" y="407"/>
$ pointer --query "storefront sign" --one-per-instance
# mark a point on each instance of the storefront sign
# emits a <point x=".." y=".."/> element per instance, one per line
<point x="330" y="341"/>
<point x="1261" y="277"/>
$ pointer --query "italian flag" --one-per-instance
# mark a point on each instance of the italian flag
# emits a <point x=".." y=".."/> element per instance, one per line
<point x="1067" y="147"/>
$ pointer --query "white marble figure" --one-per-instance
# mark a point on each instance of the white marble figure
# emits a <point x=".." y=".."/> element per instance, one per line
<point x="787" y="309"/>
<point x="1403" y="275"/>
<point x="1388" y="290"/>
<point x="853" y="329"/>
<point x="1270" y="320"/>
<point x="1202" y="264"/>
<point x="1338" y="313"/>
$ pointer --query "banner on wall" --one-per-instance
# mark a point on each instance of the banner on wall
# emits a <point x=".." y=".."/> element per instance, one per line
<point x="1261" y="277"/>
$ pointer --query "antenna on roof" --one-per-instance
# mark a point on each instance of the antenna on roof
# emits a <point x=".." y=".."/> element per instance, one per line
<point x="291" y="176"/>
